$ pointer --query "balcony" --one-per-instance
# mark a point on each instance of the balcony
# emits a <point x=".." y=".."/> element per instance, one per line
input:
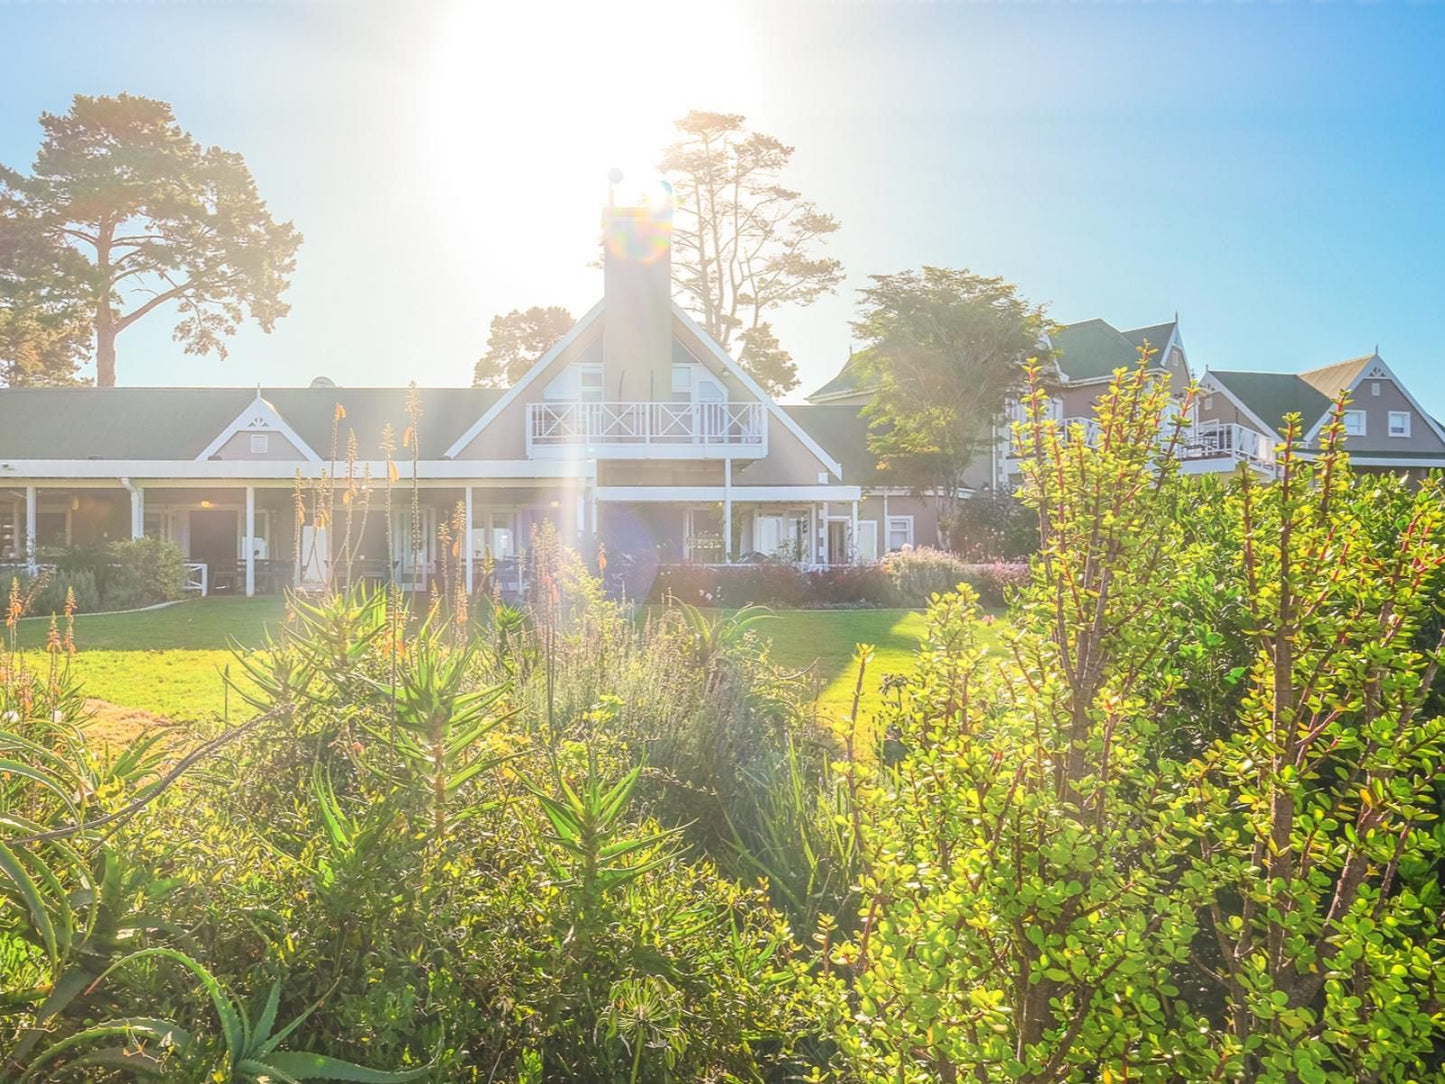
<point x="642" y="430"/>
<point x="1222" y="446"/>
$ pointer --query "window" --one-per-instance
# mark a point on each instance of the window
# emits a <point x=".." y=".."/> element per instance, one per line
<point x="1209" y="402"/>
<point x="1355" y="423"/>
<point x="900" y="532"/>
<point x="1374" y="387"/>
<point x="260" y="443"/>
<point x="589" y="382"/>
<point x="1399" y="423"/>
<point x="682" y="383"/>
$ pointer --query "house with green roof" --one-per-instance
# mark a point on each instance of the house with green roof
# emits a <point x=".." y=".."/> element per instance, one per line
<point x="636" y="433"/>
<point x="1386" y="428"/>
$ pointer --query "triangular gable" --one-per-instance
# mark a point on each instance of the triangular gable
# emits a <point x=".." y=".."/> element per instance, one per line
<point x="715" y="352"/>
<point x="259" y="417"/>
<point x="1376" y="369"/>
<point x="540" y="366"/>
<point x="1212" y="385"/>
<point x="743" y="377"/>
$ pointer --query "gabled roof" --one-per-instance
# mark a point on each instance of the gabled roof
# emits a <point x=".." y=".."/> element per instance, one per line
<point x="843" y="431"/>
<point x="180" y="423"/>
<point x="1330" y="380"/>
<point x="1093" y="349"/>
<point x="1270" y="396"/>
<point x="853" y="379"/>
<point x="260" y="415"/>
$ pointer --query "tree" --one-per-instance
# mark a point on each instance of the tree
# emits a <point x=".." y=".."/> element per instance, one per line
<point x="947" y="348"/>
<point x="137" y="215"/>
<point x="1052" y="895"/>
<point x="44" y="329"/>
<point x="516" y="341"/>
<point x="743" y="244"/>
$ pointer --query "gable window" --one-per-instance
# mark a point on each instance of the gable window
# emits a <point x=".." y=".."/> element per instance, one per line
<point x="900" y="532"/>
<point x="1355" y="423"/>
<point x="1209" y="402"/>
<point x="1399" y="423"/>
<point x="260" y="443"/>
<point x="1374" y="387"/>
<point x="682" y="383"/>
<point x="589" y="382"/>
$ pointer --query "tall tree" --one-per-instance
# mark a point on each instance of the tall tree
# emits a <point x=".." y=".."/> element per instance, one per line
<point x="516" y="341"/>
<point x="44" y="327"/>
<point x="154" y="218"/>
<point x="743" y="243"/>
<point x="946" y="348"/>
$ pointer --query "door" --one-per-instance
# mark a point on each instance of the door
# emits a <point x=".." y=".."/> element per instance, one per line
<point x="867" y="540"/>
<point x="212" y="540"/>
<point x="838" y="548"/>
<point x="711" y="403"/>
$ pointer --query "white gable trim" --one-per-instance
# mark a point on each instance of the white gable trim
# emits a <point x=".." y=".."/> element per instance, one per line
<point x="1378" y="370"/>
<point x="259" y="417"/>
<point x="723" y="358"/>
<point x="538" y="368"/>
<point x="1214" y="386"/>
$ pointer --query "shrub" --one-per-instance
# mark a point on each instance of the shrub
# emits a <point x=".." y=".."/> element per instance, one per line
<point x="996" y="526"/>
<point x="50" y="598"/>
<point x="142" y="572"/>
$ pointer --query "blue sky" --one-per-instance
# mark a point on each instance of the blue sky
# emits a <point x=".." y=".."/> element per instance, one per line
<point x="1270" y="171"/>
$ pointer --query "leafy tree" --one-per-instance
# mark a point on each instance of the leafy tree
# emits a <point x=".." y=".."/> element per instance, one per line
<point x="1055" y="896"/>
<point x="516" y="341"/>
<point x="44" y="331"/>
<point x="946" y="348"/>
<point x="743" y="243"/>
<point x="137" y="214"/>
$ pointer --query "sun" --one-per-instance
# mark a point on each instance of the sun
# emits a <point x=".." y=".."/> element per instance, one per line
<point x="530" y="106"/>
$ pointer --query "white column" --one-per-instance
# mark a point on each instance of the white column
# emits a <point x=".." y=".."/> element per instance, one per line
<point x="853" y="536"/>
<point x="467" y="540"/>
<point x="728" y="511"/>
<point x="250" y="541"/>
<point x="883" y="527"/>
<point x="137" y="513"/>
<point x="30" y="528"/>
<point x="821" y="537"/>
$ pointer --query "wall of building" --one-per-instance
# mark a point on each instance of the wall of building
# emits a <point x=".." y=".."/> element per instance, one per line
<point x="1377" y="407"/>
<point x="278" y="447"/>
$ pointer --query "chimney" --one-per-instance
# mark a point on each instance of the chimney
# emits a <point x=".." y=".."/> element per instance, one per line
<point x="637" y="286"/>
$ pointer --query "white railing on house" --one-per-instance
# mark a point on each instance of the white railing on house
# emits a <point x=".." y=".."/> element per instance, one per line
<point x="672" y="430"/>
<point x="1226" y="440"/>
<point x="196" y="577"/>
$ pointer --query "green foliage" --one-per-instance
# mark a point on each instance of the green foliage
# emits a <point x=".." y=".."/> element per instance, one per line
<point x="945" y="348"/>
<point x="744" y="244"/>
<point x="1072" y="877"/>
<point x="121" y="203"/>
<point x="516" y="342"/>
<point x="142" y="572"/>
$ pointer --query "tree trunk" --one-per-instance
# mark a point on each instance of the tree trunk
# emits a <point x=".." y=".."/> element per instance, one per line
<point x="104" y="347"/>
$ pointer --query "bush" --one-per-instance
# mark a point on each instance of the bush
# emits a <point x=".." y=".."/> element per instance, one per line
<point x="141" y="573"/>
<point x="996" y="527"/>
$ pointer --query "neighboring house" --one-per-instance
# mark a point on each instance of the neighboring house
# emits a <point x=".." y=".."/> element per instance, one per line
<point x="1086" y="357"/>
<point x="636" y="430"/>
<point x="1386" y="428"/>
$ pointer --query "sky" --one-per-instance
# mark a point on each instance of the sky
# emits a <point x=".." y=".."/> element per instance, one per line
<point x="1272" y="172"/>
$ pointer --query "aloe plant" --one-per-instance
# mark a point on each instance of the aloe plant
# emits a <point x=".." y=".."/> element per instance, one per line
<point x="252" y="1054"/>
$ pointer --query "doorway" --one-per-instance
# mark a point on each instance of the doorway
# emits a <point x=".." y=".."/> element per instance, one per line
<point x="214" y="535"/>
<point x="838" y="542"/>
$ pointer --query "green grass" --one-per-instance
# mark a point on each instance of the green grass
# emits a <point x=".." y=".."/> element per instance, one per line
<point x="169" y="662"/>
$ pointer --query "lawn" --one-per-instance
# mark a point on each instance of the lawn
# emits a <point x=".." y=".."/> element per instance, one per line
<point x="170" y="662"/>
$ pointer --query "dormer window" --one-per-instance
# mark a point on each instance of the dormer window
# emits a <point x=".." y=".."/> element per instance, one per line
<point x="260" y="443"/>
<point x="1399" y="423"/>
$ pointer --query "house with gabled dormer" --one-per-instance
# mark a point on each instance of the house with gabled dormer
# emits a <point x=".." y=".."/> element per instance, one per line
<point x="1386" y="428"/>
<point x="636" y="433"/>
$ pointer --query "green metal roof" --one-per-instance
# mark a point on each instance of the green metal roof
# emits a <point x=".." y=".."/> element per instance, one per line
<point x="1270" y="396"/>
<point x="843" y="433"/>
<point x="178" y="423"/>
<point x="853" y="379"/>
<point x="1093" y="349"/>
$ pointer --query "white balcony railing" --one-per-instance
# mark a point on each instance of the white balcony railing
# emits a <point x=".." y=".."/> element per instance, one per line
<point x="1226" y="440"/>
<point x="646" y="430"/>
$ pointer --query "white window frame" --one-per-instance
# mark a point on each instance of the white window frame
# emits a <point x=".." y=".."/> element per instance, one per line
<point x="1374" y="387"/>
<point x="1354" y="415"/>
<point x="907" y="528"/>
<point x="587" y="391"/>
<point x="1398" y="415"/>
<point x="260" y="443"/>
